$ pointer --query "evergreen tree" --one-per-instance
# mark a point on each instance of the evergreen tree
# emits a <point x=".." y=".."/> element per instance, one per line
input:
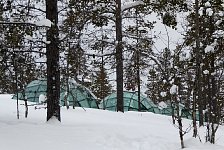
<point x="101" y="87"/>
<point x="100" y="84"/>
<point x="153" y="86"/>
<point x="119" y="57"/>
<point x="161" y="75"/>
<point x="207" y="52"/>
<point x="139" y="49"/>
<point x="53" y="72"/>
<point x="17" y="46"/>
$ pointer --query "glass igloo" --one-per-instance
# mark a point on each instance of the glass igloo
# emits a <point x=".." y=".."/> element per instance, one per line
<point x="130" y="102"/>
<point x="77" y="95"/>
<point x="169" y="109"/>
<point x="33" y="91"/>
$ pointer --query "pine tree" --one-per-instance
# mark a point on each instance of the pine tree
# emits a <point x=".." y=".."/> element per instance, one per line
<point x="207" y="52"/>
<point x="119" y="57"/>
<point x="53" y="72"/>
<point x="139" y="49"/>
<point x="100" y="84"/>
<point x="75" y="47"/>
<point x="101" y="87"/>
<point x="153" y="86"/>
<point x="15" y="21"/>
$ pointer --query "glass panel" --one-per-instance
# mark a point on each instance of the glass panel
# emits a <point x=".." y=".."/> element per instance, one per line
<point x="131" y="102"/>
<point x="93" y="103"/>
<point x="111" y="108"/>
<point x="126" y="102"/>
<point x="146" y="103"/>
<point x="126" y="108"/>
<point x="157" y="110"/>
<point x="114" y="95"/>
<point x="134" y="104"/>
<point x="111" y="102"/>
<point x="133" y="109"/>
<point x="127" y="94"/>
<point x="84" y="103"/>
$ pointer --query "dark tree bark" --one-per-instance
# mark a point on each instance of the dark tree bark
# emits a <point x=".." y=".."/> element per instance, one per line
<point x="138" y="64"/>
<point x="17" y="91"/>
<point x="53" y="72"/>
<point x="213" y="111"/>
<point x="119" y="59"/>
<point x="197" y="80"/>
<point x="139" y="81"/>
<point x="179" y="119"/>
<point x="181" y="132"/>
<point x="177" y="116"/>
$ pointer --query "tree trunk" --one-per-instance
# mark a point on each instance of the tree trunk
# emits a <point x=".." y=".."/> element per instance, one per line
<point x="194" y="116"/>
<point x="198" y="59"/>
<point x="26" y="105"/>
<point x="197" y="79"/>
<point x="138" y="63"/>
<point x="181" y="131"/>
<point x="179" y="120"/>
<point x="215" y="116"/>
<point x="119" y="59"/>
<point x="16" y="81"/>
<point x="53" y="72"/>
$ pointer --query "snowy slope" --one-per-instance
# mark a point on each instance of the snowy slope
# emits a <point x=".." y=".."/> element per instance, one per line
<point x="92" y="129"/>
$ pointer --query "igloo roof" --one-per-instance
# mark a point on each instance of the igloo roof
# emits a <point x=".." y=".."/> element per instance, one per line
<point x="130" y="102"/>
<point x="77" y="95"/>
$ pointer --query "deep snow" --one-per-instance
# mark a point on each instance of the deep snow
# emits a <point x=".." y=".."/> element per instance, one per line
<point x="93" y="129"/>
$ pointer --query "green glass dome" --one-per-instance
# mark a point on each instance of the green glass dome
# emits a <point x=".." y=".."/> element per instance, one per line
<point x="77" y="95"/>
<point x="32" y="91"/>
<point x="130" y="102"/>
<point x="184" y="112"/>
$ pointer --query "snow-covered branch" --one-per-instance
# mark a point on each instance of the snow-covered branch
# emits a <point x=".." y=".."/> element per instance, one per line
<point x="131" y="5"/>
<point x="42" y="23"/>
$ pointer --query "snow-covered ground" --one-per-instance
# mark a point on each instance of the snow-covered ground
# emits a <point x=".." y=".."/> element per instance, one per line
<point x="93" y="130"/>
